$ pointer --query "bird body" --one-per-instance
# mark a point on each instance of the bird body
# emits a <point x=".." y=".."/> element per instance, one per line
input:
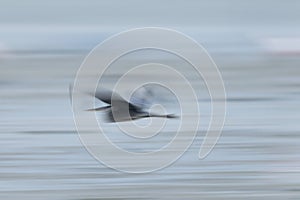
<point x="120" y="110"/>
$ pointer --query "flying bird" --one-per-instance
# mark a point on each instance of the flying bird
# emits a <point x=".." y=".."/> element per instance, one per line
<point x="121" y="110"/>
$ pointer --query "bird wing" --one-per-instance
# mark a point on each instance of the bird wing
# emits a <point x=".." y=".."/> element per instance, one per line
<point x="108" y="96"/>
<point x="143" y="97"/>
<point x="114" y="99"/>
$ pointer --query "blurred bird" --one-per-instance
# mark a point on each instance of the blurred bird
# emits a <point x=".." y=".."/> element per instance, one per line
<point x="120" y="110"/>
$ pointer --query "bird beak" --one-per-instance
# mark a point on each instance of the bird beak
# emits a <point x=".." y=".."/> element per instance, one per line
<point x="99" y="108"/>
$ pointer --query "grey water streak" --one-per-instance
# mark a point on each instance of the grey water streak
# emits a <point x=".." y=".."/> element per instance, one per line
<point x="257" y="156"/>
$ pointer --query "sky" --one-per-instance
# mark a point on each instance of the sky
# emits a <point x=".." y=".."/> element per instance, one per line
<point x="33" y="24"/>
<point x="130" y="13"/>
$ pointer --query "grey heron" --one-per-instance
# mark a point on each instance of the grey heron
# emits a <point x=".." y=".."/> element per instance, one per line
<point x="121" y="110"/>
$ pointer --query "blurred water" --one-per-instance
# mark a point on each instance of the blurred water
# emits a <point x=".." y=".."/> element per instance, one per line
<point x="257" y="156"/>
<point x="42" y="44"/>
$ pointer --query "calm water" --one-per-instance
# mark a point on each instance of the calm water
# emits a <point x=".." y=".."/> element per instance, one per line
<point x="257" y="157"/>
